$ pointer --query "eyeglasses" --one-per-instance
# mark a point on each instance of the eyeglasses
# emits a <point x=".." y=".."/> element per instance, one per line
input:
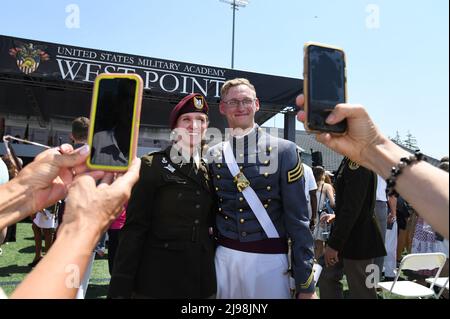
<point x="244" y="102"/>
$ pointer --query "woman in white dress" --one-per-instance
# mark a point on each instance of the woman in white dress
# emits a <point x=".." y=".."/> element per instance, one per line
<point x="324" y="193"/>
<point x="44" y="223"/>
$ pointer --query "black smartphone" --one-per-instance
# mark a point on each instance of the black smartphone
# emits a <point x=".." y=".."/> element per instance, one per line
<point x="114" y="122"/>
<point x="324" y="86"/>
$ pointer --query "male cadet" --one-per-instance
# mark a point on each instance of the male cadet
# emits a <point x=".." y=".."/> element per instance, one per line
<point x="355" y="238"/>
<point x="260" y="188"/>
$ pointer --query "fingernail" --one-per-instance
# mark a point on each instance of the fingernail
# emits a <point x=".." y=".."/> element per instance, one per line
<point x="84" y="150"/>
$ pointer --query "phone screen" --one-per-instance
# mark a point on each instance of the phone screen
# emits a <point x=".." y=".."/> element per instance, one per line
<point x="112" y="132"/>
<point x="326" y="86"/>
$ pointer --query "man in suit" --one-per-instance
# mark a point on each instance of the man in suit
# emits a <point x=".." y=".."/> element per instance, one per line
<point x="355" y="238"/>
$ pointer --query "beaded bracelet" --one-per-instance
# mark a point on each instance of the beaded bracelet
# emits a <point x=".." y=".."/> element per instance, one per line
<point x="397" y="170"/>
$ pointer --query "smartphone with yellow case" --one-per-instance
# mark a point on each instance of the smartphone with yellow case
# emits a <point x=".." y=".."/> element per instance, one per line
<point x="324" y="86"/>
<point x="114" y="121"/>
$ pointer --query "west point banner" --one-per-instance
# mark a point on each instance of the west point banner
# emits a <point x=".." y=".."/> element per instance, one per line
<point x="69" y="63"/>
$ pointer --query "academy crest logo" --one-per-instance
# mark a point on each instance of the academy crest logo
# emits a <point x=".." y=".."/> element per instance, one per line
<point x="29" y="57"/>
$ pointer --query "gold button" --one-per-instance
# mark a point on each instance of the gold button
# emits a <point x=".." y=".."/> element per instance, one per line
<point x="242" y="220"/>
<point x="219" y="166"/>
<point x="220" y="209"/>
<point x="266" y="205"/>
<point x="266" y="162"/>
<point x="269" y="200"/>
<point x="217" y="189"/>
<point x="226" y="217"/>
<point x="269" y="188"/>
<point x="241" y="155"/>
<point x="240" y="210"/>
<point x="218" y="176"/>
<point x="266" y="174"/>
<point x="241" y="199"/>
<point x="269" y="148"/>
<point x="221" y="200"/>
<point x="241" y="167"/>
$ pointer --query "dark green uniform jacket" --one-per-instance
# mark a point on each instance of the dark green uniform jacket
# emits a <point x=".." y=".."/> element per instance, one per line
<point x="165" y="248"/>
<point x="355" y="233"/>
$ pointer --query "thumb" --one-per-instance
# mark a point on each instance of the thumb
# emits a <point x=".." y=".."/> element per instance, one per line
<point x="339" y="113"/>
<point x="74" y="158"/>
<point x="343" y="111"/>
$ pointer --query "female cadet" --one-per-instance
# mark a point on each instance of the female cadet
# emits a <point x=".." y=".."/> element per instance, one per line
<point x="166" y="249"/>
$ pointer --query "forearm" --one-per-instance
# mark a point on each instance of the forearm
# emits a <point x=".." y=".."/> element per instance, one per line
<point x="15" y="202"/>
<point x="313" y="206"/>
<point x="392" y="203"/>
<point x="423" y="186"/>
<point x="60" y="273"/>
<point x="3" y="234"/>
<point x="297" y="227"/>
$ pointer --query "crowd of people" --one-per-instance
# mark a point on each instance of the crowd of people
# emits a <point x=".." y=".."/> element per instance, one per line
<point x="197" y="222"/>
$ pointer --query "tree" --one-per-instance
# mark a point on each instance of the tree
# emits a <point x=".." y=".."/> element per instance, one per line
<point x="410" y="141"/>
<point x="397" y="139"/>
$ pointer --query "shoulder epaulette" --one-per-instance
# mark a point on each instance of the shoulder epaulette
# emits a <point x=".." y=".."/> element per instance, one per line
<point x="148" y="159"/>
<point x="353" y="165"/>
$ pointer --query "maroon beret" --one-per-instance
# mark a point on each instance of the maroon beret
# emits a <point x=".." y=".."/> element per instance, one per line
<point x="193" y="102"/>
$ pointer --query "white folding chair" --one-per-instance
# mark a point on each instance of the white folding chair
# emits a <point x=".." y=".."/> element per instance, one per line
<point x="441" y="282"/>
<point x="415" y="262"/>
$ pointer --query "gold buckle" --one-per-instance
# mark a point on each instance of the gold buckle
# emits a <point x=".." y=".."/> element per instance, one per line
<point x="241" y="182"/>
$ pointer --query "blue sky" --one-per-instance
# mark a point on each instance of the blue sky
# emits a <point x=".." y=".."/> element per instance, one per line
<point x="397" y="50"/>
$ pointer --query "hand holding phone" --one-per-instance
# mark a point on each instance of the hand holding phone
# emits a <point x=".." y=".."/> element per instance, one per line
<point x="115" y="116"/>
<point x="324" y="86"/>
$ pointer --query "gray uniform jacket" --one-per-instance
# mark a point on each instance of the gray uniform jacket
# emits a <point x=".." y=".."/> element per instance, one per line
<point x="273" y="168"/>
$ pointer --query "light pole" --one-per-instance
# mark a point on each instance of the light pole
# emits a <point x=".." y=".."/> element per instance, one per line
<point x="235" y="4"/>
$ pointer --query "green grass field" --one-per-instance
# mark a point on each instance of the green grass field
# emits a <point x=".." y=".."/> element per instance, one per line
<point x="16" y="257"/>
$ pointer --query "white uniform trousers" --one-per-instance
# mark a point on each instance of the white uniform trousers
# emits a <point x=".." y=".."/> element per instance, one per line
<point x="243" y="275"/>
